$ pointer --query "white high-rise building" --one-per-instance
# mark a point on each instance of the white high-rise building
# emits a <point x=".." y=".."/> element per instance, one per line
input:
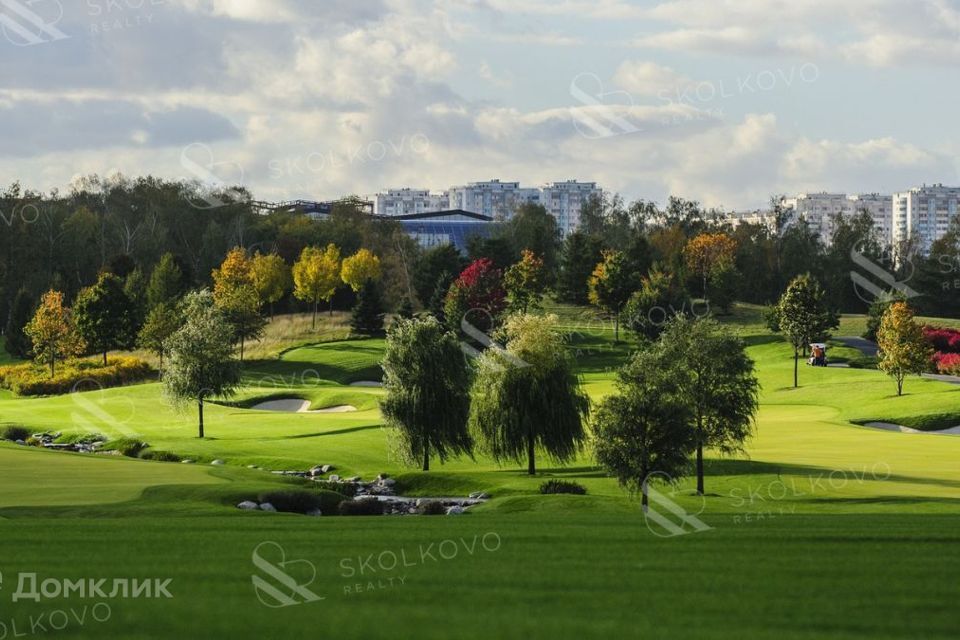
<point x="821" y="209"/>
<point x="924" y="214"/>
<point x="398" y="202"/>
<point x="492" y="198"/>
<point x="564" y="200"/>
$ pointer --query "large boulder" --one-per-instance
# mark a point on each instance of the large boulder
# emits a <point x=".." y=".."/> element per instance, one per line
<point x="218" y="463"/>
<point x="455" y="511"/>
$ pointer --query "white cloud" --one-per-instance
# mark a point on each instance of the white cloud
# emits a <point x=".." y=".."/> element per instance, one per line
<point x="648" y="78"/>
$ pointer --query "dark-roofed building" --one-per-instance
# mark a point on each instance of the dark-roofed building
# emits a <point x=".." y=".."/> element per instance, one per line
<point x="456" y="227"/>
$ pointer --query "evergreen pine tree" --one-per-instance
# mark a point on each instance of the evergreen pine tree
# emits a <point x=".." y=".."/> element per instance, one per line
<point x="368" y="314"/>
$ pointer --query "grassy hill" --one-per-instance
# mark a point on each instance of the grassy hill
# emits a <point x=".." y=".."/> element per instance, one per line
<point x="826" y="529"/>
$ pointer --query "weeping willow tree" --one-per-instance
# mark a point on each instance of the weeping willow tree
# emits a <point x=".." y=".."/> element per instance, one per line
<point x="526" y="398"/>
<point x="428" y="392"/>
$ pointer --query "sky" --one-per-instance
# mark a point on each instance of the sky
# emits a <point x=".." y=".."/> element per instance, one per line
<point x="723" y="101"/>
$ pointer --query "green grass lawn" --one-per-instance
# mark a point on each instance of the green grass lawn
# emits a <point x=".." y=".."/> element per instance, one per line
<point x="825" y="529"/>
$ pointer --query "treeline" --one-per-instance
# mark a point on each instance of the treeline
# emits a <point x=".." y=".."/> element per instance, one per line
<point x="659" y="257"/>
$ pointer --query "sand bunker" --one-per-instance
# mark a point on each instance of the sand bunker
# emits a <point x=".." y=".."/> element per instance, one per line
<point x="889" y="426"/>
<point x="296" y="405"/>
<point x="366" y="383"/>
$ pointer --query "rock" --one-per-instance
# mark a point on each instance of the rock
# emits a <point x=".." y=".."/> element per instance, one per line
<point x="266" y="506"/>
<point x="248" y="505"/>
<point x="187" y="461"/>
<point x="21" y="442"/>
<point x="252" y="466"/>
<point x="315" y="513"/>
<point x="316" y="471"/>
<point x="388" y="482"/>
<point x="479" y="495"/>
<point x="382" y="476"/>
<point x="327" y="468"/>
<point x="217" y="463"/>
<point x="334" y="478"/>
<point x="455" y="511"/>
<point x="354" y="479"/>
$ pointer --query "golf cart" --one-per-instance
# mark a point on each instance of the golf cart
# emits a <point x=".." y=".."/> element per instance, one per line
<point x="818" y="354"/>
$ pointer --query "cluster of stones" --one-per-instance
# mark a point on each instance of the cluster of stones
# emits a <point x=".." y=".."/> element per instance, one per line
<point x="48" y="441"/>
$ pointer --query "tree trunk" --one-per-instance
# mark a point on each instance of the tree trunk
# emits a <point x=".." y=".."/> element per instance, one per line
<point x="104" y="358"/>
<point x="315" y="305"/>
<point x="242" y="340"/>
<point x="200" y="408"/>
<point x="426" y="456"/>
<point x="699" y="455"/>
<point x="616" y="328"/>
<point x="331" y="306"/>
<point x="796" y="361"/>
<point x="645" y="499"/>
<point x="531" y="462"/>
<point x="899" y="385"/>
<point x="53" y="366"/>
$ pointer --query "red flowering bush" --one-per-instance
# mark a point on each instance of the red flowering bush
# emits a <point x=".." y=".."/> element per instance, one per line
<point x="943" y="340"/>
<point x="948" y="363"/>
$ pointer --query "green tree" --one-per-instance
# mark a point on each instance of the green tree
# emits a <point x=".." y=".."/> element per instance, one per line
<point x="166" y="282"/>
<point x="135" y="288"/>
<point x="427" y="383"/>
<point x="579" y="257"/>
<point x="405" y="308"/>
<point x="526" y="398"/>
<point x="16" y="340"/>
<point x="367" y="315"/>
<point x="611" y="285"/>
<point x="718" y="384"/>
<point x="661" y="297"/>
<point x="525" y="282"/>
<point x="105" y="316"/>
<point x="161" y="323"/>
<point x="200" y="363"/>
<point x="52" y="332"/>
<point x="431" y="265"/>
<point x="532" y="229"/>
<point x="903" y="348"/>
<point x="644" y="428"/>
<point x="804" y="316"/>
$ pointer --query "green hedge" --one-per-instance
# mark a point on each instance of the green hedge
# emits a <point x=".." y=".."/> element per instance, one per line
<point x="81" y="375"/>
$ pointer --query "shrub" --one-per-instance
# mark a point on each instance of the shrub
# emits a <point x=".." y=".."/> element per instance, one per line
<point x="129" y="447"/>
<point x="362" y="507"/>
<point x="34" y="442"/>
<point x="31" y="379"/>
<point x="347" y="489"/>
<point x="292" y="500"/>
<point x="13" y="433"/>
<point x="948" y="363"/>
<point x="943" y="340"/>
<point x="159" y="456"/>
<point x="432" y="508"/>
<point x="562" y="486"/>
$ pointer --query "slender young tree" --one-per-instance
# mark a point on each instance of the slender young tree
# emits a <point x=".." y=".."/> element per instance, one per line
<point x="200" y="363"/>
<point x="161" y="323"/>
<point x="526" y="399"/>
<point x="804" y="316"/>
<point x="718" y="384"/>
<point x="611" y="285"/>
<point x="903" y="349"/>
<point x="316" y="276"/>
<point x="644" y="428"/>
<point x="428" y="391"/>
<point x="271" y="278"/>
<point x="525" y="282"/>
<point x="52" y="332"/>
<point x="166" y="282"/>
